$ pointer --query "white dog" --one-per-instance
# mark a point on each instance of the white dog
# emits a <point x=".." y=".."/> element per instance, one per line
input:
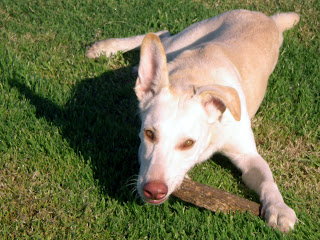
<point x="197" y="91"/>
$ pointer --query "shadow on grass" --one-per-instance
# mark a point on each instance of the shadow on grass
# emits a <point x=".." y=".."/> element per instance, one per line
<point x="100" y="122"/>
<point x="225" y="162"/>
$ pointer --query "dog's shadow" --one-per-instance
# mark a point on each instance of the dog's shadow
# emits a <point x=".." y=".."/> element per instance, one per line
<point x="101" y="123"/>
<point x="225" y="163"/>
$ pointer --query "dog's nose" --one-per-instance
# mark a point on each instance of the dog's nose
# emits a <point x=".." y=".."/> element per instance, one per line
<point x="155" y="190"/>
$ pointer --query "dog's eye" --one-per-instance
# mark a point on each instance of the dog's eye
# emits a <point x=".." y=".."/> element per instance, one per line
<point x="187" y="144"/>
<point x="149" y="134"/>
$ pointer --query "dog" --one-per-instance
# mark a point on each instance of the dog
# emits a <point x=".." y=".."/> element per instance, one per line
<point x="197" y="92"/>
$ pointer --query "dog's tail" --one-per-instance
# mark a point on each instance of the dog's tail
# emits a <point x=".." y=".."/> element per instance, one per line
<point x="285" y="21"/>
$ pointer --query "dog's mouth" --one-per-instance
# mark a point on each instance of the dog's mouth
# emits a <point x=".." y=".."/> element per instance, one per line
<point x="155" y="202"/>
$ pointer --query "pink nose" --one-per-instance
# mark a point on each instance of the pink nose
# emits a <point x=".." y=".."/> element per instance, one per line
<point x="155" y="190"/>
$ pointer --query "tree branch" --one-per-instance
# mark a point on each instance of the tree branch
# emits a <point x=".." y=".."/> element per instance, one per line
<point x="214" y="199"/>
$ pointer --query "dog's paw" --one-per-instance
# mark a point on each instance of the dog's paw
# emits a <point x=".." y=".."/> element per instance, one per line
<point x="104" y="47"/>
<point x="279" y="215"/>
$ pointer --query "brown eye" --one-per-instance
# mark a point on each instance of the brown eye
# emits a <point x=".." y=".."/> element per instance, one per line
<point x="187" y="144"/>
<point x="149" y="134"/>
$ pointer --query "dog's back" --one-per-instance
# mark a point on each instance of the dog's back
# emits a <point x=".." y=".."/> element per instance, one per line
<point x="253" y="48"/>
<point x="250" y="40"/>
<point x="255" y="42"/>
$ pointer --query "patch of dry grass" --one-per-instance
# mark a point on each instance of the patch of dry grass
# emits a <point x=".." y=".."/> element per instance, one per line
<point x="22" y="205"/>
<point x="294" y="160"/>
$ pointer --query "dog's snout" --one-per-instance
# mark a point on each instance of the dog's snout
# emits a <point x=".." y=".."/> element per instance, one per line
<point x="155" y="190"/>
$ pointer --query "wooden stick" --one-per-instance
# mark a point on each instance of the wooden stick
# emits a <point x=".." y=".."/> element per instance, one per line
<point x="214" y="199"/>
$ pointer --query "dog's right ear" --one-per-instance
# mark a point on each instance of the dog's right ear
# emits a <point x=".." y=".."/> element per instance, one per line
<point x="152" y="72"/>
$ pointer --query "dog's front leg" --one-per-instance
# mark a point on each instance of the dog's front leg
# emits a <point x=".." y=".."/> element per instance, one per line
<point x="113" y="45"/>
<point x="257" y="175"/>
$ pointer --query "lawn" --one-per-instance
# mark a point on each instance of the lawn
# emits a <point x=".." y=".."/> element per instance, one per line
<point x="69" y="125"/>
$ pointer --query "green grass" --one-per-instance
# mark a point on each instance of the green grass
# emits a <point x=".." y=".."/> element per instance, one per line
<point x="68" y="125"/>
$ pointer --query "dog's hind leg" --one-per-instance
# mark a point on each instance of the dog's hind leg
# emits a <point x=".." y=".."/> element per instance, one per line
<point x="111" y="46"/>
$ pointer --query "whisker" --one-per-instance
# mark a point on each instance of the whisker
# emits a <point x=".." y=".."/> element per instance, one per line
<point x="131" y="183"/>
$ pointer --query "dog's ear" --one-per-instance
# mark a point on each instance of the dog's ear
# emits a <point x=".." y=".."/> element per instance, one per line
<point x="152" y="72"/>
<point x="216" y="98"/>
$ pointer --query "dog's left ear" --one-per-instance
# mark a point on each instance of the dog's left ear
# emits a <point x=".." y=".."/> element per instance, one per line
<point x="152" y="72"/>
<point x="216" y="98"/>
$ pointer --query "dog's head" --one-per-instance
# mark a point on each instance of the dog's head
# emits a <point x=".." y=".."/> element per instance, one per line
<point x="178" y="125"/>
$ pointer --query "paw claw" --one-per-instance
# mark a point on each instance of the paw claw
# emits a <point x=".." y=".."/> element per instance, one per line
<point x="279" y="216"/>
<point x="93" y="52"/>
<point x="107" y="47"/>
